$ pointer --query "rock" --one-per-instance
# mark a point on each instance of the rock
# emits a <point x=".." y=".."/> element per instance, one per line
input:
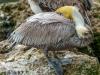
<point x="18" y="11"/>
<point x="23" y="61"/>
<point x="96" y="28"/>
<point x="12" y="14"/>
<point x="6" y="25"/>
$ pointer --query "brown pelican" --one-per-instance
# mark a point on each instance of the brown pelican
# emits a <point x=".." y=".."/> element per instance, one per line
<point x="52" y="31"/>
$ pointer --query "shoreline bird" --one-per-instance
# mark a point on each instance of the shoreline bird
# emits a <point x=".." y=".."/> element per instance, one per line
<point x="73" y="13"/>
<point x="52" y="31"/>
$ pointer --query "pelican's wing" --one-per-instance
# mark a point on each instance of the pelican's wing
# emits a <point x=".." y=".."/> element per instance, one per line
<point x="47" y="17"/>
<point x="38" y="32"/>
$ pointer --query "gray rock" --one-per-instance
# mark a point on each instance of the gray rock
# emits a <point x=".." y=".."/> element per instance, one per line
<point x="6" y="25"/>
<point x="33" y="62"/>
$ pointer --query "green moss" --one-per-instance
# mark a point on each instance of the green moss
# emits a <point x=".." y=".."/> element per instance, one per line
<point x="86" y="69"/>
<point x="2" y="73"/>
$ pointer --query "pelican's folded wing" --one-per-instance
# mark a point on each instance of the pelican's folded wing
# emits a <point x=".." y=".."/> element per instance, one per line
<point x="41" y="31"/>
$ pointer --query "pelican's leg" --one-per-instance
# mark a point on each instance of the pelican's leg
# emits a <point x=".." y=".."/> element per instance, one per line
<point x="55" y="63"/>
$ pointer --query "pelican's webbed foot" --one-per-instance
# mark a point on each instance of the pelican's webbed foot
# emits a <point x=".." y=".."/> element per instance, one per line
<point x="57" y="62"/>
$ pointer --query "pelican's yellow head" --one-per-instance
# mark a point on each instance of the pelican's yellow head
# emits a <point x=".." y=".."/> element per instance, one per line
<point x="67" y="11"/>
<point x="72" y="12"/>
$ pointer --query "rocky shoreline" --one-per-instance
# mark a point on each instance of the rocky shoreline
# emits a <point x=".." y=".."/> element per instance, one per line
<point x="23" y="61"/>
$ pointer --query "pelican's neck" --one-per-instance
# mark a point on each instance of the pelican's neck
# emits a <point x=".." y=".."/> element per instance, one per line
<point x="79" y="22"/>
<point x="34" y="7"/>
<point x="77" y="17"/>
<point x="72" y="12"/>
